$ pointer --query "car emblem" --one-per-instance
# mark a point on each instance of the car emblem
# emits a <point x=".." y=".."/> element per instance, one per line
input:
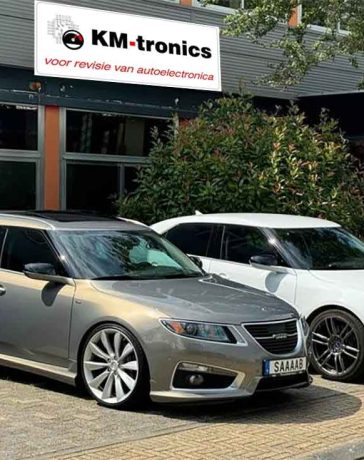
<point x="280" y="336"/>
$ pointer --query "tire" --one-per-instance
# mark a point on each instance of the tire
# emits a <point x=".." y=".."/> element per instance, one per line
<point x="338" y="346"/>
<point x="113" y="367"/>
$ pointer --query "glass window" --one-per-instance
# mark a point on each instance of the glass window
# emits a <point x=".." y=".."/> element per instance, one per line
<point x="242" y="243"/>
<point x="193" y="239"/>
<point x="114" y="254"/>
<point x="323" y="248"/>
<point x="110" y="134"/>
<point x="130" y="179"/>
<point x="18" y="127"/>
<point x="17" y="185"/>
<point x="2" y="235"/>
<point x="26" y="246"/>
<point x="92" y="187"/>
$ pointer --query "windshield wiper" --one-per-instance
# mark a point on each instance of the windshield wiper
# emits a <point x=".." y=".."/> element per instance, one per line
<point x="182" y="275"/>
<point x="114" y="277"/>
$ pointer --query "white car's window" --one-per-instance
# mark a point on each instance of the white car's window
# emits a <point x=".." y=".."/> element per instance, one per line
<point x="323" y="248"/>
<point x="192" y="238"/>
<point x="241" y="243"/>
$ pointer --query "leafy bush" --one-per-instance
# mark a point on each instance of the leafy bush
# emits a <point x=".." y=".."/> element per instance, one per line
<point x="236" y="158"/>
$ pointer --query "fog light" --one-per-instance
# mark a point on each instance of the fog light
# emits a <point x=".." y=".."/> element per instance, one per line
<point x="196" y="380"/>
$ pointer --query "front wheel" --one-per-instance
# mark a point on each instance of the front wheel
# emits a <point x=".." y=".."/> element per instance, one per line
<point x="114" y="368"/>
<point x="338" y="345"/>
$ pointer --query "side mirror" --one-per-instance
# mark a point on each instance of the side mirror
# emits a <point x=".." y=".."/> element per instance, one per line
<point x="267" y="262"/>
<point x="197" y="261"/>
<point x="45" y="272"/>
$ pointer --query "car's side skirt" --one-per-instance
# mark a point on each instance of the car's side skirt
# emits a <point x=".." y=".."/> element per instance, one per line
<point x="47" y="370"/>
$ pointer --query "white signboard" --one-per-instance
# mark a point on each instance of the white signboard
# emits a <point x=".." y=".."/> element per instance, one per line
<point x="90" y="44"/>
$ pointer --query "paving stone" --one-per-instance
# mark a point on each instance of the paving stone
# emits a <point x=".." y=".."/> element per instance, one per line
<point x="43" y="419"/>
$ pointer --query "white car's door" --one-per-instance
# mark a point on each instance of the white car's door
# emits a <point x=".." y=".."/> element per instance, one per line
<point x="239" y="244"/>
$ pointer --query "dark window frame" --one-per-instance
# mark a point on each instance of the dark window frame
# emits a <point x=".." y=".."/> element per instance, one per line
<point x="123" y="161"/>
<point x="49" y="242"/>
<point x="214" y="234"/>
<point x="276" y="249"/>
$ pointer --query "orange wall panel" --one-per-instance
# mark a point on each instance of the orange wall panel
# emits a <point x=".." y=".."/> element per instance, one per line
<point x="186" y="2"/>
<point x="52" y="158"/>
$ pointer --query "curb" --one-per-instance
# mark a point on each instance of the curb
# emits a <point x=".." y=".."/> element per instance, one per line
<point x="348" y="451"/>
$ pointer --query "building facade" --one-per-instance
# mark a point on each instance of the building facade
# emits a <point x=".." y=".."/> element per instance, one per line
<point x="77" y="144"/>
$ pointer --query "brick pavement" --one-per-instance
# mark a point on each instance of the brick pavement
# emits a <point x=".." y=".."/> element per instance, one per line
<point x="44" y="419"/>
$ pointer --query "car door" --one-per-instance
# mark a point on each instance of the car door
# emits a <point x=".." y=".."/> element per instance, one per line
<point x="34" y="315"/>
<point x="197" y="239"/>
<point x="238" y="245"/>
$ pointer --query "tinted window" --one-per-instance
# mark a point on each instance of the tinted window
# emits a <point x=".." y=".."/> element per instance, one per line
<point x="18" y="127"/>
<point x="242" y="243"/>
<point x="17" y="185"/>
<point x="2" y="235"/>
<point x="323" y="248"/>
<point x="92" y="186"/>
<point x="26" y="246"/>
<point x="192" y="238"/>
<point x="110" y="134"/>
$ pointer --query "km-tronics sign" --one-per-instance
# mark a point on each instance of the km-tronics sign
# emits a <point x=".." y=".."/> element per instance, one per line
<point x="83" y="43"/>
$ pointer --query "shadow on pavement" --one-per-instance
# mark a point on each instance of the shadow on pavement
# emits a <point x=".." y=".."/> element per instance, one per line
<point x="311" y="405"/>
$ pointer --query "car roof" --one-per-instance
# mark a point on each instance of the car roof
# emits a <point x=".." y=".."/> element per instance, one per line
<point x="66" y="220"/>
<point x="250" y="219"/>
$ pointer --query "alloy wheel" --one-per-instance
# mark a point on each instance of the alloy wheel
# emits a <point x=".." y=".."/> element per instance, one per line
<point x="335" y="346"/>
<point x="110" y="366"/>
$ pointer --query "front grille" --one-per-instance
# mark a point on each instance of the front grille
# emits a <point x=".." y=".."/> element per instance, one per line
<point x="277" y="338"/>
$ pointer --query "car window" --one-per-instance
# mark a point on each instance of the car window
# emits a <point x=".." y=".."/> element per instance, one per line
<point x="26" y="246"/>
<point x="2" y="238"/>
<point x="241" y="243"/>
<point x="195" y="239"/>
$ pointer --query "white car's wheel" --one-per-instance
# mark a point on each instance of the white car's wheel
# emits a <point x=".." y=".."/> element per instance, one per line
<point x="338" y="345"/>
<point x="113" y="367"/>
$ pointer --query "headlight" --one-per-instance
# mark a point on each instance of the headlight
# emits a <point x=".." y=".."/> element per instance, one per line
<point x="305" y="326"/>
<point x="202" y="331"/>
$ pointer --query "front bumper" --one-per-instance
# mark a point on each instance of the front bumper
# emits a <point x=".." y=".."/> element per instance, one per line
<point x="244" y="360"/>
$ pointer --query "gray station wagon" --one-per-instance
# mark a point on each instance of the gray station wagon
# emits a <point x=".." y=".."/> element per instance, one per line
<point x="112" y="305"/>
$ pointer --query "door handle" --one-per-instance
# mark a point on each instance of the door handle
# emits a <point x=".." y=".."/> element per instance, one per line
<point x="2" y="290"/>
<point x="223" y="275"/>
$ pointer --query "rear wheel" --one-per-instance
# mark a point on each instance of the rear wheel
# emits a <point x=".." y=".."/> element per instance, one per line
<point x="338" y="345"/>
<point x="114" y="368"/>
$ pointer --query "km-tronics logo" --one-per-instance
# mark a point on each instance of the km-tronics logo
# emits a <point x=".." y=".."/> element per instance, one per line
<point x="64" y="30"/>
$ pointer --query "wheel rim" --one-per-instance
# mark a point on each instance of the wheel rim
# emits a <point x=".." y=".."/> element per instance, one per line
<point x="335" y="346"/>
<point x="111" y="366"/>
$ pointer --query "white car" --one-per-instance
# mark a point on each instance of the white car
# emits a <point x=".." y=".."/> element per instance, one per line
<point x="313" y="264"/>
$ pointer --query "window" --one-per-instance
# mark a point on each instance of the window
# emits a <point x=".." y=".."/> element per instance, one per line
<point x="2" y="236"/>
<point x="110" y="134"/>
<point x="20" y="158"/>
<point x="17" y="185"/>
<point x="195" y="239"/>
<point x="26" y="246"/>
<point x="242" y="243"/>
<point x="92" y="186"/>
<point x="18" y="127"/>
<point x="317" y="18"/>
<point x="102" y="154"/>
<point x="227" y="5"/>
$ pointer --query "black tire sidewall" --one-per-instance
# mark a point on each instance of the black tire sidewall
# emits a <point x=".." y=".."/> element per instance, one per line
<point x="140" y="393"/>
<point x="358" y="371"/>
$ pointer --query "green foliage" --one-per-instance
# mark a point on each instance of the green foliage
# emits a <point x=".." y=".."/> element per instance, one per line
<point x="301" y="51"/>
<point x="236" y="158"/>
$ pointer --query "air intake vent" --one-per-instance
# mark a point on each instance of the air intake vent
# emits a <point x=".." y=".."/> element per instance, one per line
<point x="277" y="338"/>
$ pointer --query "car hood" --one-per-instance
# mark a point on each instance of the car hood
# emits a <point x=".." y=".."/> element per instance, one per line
<point x="209" y="298"/>
<point x="341" y="278"/>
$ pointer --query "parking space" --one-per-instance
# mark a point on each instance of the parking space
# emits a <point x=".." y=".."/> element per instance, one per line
<point x="43" y="419"/>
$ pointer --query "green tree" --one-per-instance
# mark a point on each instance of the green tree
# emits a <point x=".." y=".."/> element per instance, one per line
<point x="301" y="51"/>
<point x="236" y="158"/>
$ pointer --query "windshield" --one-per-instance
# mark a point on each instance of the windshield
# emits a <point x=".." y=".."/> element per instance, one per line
<point x="124" y="255"/>
<point x="323" y="248"/>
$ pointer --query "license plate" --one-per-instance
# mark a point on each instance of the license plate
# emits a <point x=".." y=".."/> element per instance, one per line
<point x="284" y="366"/>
